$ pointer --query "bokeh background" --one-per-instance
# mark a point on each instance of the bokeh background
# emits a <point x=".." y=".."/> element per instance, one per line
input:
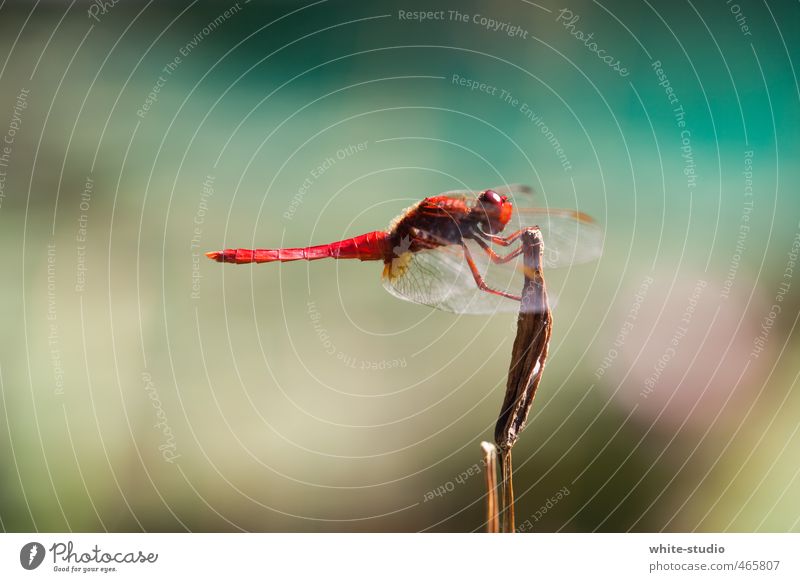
<point x="144" y="387"/>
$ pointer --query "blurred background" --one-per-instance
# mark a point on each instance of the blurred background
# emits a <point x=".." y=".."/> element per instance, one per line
<point x="144" y="387"/>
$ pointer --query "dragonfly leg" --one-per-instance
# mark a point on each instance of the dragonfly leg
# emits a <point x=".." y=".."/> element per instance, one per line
<point x="479" y="278"/>
<point x="497" y="259"/>
<point x="507" y="240"/>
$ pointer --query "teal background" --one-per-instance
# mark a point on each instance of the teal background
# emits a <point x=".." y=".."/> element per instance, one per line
<point x="264" y="377"/>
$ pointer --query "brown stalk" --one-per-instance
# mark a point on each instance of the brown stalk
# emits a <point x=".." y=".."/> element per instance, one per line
<point x="492" y="508"/>
<point x="528" y="357"/>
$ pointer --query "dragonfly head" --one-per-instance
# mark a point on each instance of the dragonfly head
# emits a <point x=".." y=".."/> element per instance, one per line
<point x="493" y="211"/>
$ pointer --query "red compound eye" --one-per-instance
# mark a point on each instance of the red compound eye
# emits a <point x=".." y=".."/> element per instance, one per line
<point x="491" y="197"/>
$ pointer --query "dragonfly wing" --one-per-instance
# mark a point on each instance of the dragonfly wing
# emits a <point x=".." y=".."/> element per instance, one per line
<point x="569" y="236"/>
<point x="441" y="278"/>
<point x="512" y="190"/>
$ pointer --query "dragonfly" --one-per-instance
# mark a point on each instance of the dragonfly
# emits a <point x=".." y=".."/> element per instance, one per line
<point x="443" y="251"/>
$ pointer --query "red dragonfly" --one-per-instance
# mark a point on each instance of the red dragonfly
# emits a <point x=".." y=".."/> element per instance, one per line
<point x="439" y="252"/>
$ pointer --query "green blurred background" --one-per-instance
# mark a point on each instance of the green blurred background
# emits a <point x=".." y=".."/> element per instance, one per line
<point x="143" y="388"/>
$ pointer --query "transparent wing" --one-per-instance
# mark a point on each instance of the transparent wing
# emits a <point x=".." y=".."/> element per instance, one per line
<point x="442" y="279"/>
<point x="570" y="237"/>
<point x="512" y="190"/>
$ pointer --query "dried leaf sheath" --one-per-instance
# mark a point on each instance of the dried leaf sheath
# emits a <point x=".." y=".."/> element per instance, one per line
<point x="492" y="505"/>
<point x="530" y="345"/>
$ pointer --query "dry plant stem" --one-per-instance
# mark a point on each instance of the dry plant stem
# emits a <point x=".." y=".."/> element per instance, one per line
<point x="492" y="508"/>
<point x="508" y="493"/>
<point x="528" y="358"/>
<point x="531" y="344"/>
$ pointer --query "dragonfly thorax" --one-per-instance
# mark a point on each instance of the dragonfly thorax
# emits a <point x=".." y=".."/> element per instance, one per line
<point x="442" y="221"/>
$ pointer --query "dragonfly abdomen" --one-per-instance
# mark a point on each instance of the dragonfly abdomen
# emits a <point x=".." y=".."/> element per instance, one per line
<point x="366" y="247"/>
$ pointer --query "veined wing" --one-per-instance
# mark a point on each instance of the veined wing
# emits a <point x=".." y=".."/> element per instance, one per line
<point x="442" y="279"/>
<point x="570" y="237"/>
<point x="510" y="190"/>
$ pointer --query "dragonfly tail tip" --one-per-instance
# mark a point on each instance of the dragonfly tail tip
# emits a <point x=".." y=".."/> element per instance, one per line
<point x="214" y="256"/>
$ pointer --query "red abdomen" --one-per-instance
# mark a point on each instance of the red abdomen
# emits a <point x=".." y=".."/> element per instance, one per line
<point x="372" y="246"/>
